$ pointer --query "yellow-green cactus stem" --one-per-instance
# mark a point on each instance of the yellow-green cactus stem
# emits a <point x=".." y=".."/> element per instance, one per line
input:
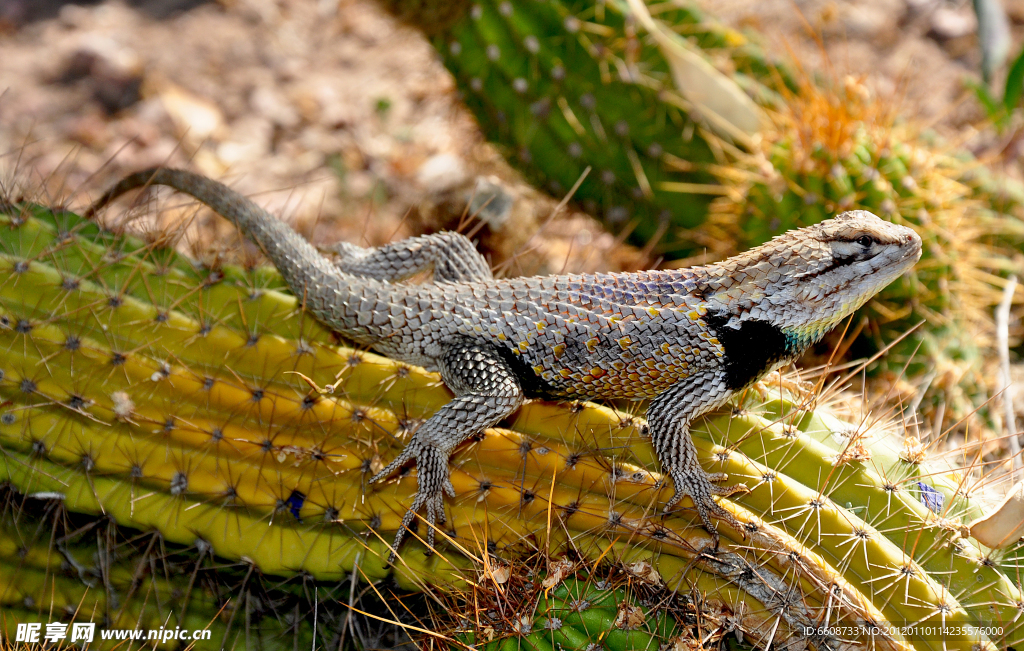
<point x="203" y="434"/>
<point x="54" y="571"/>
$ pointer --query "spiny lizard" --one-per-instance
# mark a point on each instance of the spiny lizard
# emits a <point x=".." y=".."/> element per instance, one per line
<point x="685" y="339"/>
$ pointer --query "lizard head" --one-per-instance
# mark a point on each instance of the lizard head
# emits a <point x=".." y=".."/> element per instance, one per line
<point x="805" y="281"/>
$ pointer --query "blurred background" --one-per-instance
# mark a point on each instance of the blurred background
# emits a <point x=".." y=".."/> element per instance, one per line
<point x="343" y="120"/>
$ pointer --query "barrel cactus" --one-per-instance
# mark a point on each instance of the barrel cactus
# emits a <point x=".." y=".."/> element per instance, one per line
<point x="563" y="85"/>
<point x="201" y="403"/>
<point x="61" y="567"/>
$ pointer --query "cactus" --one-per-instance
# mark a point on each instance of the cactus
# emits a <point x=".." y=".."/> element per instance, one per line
<point x="57" y="567"/>
<point x="563" y="85"/>
<point x="128" y="390"/>
<point x="830" y="151"/>
<point x="574" y="613"/>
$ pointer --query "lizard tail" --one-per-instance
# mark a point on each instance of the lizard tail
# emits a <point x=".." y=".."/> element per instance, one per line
<point x="311" y="276"/>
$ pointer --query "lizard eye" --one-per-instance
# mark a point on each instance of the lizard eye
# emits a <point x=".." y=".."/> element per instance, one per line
<point x="866" y="241"/>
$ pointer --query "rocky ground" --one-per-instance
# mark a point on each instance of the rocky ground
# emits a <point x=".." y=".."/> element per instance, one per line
<point x="328" y="113"/>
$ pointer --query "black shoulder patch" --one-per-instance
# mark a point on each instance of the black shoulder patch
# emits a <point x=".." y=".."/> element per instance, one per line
<point x="750" y="350"/>
<point x="533" y="385"/>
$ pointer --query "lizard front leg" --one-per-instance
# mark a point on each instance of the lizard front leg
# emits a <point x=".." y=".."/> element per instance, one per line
<point x="668" y="420"/>
<point x="486" y="391"/>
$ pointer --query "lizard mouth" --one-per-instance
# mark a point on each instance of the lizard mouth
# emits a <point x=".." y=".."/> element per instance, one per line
<point x="914" y="254"/>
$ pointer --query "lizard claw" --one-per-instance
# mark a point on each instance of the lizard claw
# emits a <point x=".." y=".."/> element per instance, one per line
<point x="411" y="451"/>
<point x="700" y="489"/>
<point x="715" y="477"/>
<point x="432" y="483"/>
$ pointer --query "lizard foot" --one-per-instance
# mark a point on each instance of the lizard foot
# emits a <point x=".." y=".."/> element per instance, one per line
<point x="432" y="483"/>
<point x="698" y="485"/>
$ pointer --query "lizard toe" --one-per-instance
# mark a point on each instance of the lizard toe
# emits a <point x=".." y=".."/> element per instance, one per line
<point x="411" y="451"/>
<point x="442" y="517"/>
<point x="407" y="521"/>
<point x="711" y="508"/>
<point x="725" y="491"/>
<point x="715" y="477"/>
<point x="701" y="492"/>
<point x="431" y="521"/>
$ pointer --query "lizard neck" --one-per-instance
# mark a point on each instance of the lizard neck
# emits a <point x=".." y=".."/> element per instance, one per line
<point x="754" y="347"/>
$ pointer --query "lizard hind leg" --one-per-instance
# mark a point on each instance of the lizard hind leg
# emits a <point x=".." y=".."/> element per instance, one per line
<point x="486" y="391"/>
<point x="451" y="255"/>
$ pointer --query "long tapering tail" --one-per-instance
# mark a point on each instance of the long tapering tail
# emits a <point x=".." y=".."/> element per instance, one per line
<point x="321" y="286"/>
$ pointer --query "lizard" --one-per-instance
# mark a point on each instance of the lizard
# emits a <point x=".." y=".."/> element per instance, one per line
<point x="685" y="339"/>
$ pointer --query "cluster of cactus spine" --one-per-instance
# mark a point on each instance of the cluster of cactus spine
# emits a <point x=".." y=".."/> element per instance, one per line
<point x="132" y="394"/>
<point x="574" y="613"/>
<point x="37" y="586"/>
<point x="831" y="150"/>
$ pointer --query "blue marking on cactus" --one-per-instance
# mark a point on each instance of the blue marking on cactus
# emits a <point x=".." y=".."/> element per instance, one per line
<point x="295" y="502"/>
<point x="931" y="498"/>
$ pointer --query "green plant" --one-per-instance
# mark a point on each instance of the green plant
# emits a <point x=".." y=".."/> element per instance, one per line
<point x="133" y="393"/>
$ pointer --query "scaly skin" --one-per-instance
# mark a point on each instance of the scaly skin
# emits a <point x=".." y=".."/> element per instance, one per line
<point x="685" y="339"/>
